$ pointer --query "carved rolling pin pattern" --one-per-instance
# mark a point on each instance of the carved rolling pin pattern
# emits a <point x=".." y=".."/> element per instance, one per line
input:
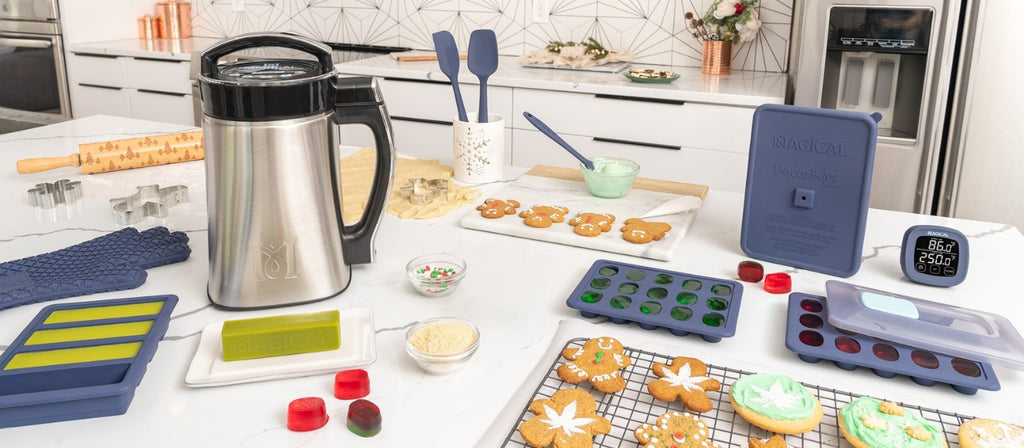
<point x="124" y="154"/>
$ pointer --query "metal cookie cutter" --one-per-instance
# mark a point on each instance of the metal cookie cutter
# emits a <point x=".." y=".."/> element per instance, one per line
<point x="151" y="200"/>
<point x="49" y="195"/>
<point x="422" y="191"/>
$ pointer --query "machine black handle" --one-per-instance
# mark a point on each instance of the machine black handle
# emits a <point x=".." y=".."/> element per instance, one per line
<point x="359" y="100"/>
<point x="211" y="55"/>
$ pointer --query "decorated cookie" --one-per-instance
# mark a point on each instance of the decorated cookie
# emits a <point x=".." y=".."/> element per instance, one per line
<point x="988" y="433"/>
<point x="591" y="224"/>
<point x="684" y="379"/>
<point x="566" y="420"/>
<point x="599" y="361"/>
<point x="543" y="215"/>
<point x="497" y="208"/>
<point x="775" y="442"/>
<point x="775" y="402"/>
<point x="638" y="231"/>
<point x="675" y="430"/>
<point x="870" y="423"/>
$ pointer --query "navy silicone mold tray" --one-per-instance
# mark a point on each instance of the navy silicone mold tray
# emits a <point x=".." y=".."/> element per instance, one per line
<point x="812" y="337"/>
<point x="81" y="360"/>
<point x="683" y="303"/>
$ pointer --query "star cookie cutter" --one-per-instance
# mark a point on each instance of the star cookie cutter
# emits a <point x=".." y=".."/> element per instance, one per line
<point x="151" y="200"/>
<point x="421" y="191"/>
<point x="49" y="195"/>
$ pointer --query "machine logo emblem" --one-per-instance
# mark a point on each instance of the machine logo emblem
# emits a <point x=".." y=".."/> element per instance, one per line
<point x="277" y="261"/>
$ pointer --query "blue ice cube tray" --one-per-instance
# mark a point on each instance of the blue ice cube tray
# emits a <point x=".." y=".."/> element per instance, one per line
<point x="81" y="360"/>
<point x="813" y="338"/>
<point x="657" y="298"/>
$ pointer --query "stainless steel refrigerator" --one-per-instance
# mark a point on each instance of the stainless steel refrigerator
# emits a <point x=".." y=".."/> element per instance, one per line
<point x="941" y="73"/>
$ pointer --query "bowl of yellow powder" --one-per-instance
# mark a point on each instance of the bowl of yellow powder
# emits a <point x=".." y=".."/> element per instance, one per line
<point x="443" y="344"/>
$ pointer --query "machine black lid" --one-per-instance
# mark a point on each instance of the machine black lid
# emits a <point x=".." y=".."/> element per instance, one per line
<point x="263" y="90"/>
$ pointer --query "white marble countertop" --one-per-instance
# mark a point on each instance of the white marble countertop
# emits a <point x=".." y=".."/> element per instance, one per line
<point x="515" y="291"/>
<point x="171" y="49"/>
<point x="741" y="88"/>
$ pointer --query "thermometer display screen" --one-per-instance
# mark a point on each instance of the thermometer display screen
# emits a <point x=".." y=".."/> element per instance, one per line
<point x="936" y="256"/>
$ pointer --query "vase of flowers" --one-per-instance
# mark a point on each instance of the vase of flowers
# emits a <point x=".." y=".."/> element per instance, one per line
<point x="725" y="23"/>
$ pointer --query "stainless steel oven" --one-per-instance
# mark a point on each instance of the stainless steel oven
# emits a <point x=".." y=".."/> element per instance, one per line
<point x="32" y="69"/>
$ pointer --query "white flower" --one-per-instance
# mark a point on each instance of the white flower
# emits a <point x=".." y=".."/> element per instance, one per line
<point x="567" y="420"/>
<point x="727" y="8"/>
<point x="748" y="29"/>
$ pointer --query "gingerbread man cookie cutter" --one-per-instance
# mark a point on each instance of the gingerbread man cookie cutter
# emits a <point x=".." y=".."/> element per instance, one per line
<point x="421" y="191"/>
<point x="151" y="200"/>
<point x="50" y="195"/>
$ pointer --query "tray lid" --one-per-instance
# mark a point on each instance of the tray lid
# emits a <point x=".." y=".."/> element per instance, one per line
<point x="950" y="330"/>
<point x="808" y="185"/>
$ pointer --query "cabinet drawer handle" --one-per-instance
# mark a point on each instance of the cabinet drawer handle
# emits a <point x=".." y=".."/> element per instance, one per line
<point x="421" y="81"/>
<point x="643" y="100"/>
<point x="96" y="55"/>
<point x="628" y="142"/>
<point x="169" y="61"/>
<point x="420" y="120"/>
<point x="179" y="95"/>
<point x="99" y="86"/>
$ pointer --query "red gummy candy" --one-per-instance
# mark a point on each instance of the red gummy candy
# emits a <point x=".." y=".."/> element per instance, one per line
<point x="307" y="414"/>
<point x="364" y="418"/>
<point x="778" y="283"/>
<point x="350" y="384"/>
<point x="750" y="271"/>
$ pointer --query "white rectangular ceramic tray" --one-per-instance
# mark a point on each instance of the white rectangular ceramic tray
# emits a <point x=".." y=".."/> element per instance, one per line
<point x="358" y="348"/>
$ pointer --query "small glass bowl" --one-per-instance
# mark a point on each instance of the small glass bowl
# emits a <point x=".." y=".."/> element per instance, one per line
<point x="436" y="275"/>
<point x="611" y="177"/>
<point x="441" y="363"/>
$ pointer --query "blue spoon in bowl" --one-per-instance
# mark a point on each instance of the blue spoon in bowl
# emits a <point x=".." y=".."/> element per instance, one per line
<point x="553" y="136"/>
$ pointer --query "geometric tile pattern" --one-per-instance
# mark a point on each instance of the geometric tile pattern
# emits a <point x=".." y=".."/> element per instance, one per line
<point x="653" y="30"/>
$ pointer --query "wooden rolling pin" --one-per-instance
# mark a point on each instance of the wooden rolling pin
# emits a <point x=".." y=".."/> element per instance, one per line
<point x="124" y="154"/>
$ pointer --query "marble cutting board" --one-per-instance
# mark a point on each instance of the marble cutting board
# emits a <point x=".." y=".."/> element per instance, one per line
<point x="545" y="185"/>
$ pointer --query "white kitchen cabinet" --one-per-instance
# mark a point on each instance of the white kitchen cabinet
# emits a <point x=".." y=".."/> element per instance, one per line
<point x="145" y="88"/>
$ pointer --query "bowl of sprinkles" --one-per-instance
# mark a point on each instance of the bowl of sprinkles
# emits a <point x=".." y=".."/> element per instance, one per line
<point x="651" y="75"/>
<point x="436" y="275"/>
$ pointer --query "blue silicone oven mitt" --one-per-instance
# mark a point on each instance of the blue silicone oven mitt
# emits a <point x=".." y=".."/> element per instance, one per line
<point x="112" y="262"/>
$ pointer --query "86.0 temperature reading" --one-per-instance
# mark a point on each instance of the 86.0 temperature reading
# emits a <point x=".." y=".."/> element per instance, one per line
<point x="941" y="245"/>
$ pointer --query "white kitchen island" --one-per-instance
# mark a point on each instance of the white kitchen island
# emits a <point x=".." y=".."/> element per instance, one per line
<point x="515" y="292"/>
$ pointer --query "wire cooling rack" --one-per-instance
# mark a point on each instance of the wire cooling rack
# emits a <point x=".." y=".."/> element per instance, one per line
<point x="634" y="406"/>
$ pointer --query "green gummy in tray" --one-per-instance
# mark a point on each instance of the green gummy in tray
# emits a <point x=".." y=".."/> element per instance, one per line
<point x="289" y="334"/>
<point x="104" y="312"/>
<point x="73" y="355"/>
<point x="89" y="333"/>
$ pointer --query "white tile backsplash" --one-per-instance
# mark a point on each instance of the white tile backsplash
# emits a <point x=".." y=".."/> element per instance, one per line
<point x="653" y="29"/>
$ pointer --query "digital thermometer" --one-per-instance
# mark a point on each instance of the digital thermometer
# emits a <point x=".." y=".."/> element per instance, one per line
<point x="934" y="255"/>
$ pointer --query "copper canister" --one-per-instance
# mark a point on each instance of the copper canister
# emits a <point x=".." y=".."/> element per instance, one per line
<point x="175" y="22"/>
<point x="148" y="28"/>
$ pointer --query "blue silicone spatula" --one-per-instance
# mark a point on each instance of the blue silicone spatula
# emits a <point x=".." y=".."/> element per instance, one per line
<point x="553" y="136"/>
<point x="448" y="59"/>
<point x="483" y="62"/>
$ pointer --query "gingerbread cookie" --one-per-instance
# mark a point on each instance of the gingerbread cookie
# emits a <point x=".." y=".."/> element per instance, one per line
<point x="684" y="379"/>
<point x="775" y="442"/>
<point x="984" y="432"/>
<point x="599" y="361"/>
<point x="675" y="430"/>
<point x="591" y="224"/>
<point x="870" y="423"/>
<point x="638" y="231"/>
<point x="775" y="402"/>
<point x="543" y="215"/>
<point x="566" y="420"/>
<point x="497" y="208"/>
